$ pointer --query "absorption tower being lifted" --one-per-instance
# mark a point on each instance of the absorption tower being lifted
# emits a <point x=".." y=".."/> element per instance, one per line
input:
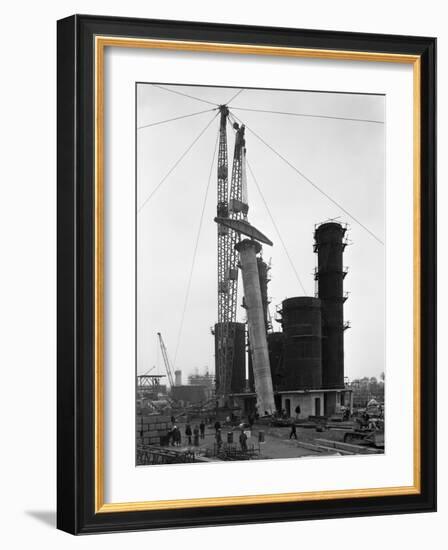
<point x="233" y="253"/>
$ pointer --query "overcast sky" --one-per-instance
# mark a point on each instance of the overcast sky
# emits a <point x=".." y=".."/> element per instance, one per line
<point x="344" y="158"/>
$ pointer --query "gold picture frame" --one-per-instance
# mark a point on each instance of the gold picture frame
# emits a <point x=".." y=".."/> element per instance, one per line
<point x="101" y="512"/>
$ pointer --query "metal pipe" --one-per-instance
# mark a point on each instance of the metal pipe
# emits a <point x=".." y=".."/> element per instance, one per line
<point x="248" y="250"/>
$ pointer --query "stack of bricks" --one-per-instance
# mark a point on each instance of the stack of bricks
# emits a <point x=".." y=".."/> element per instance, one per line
<point x="151" y="428"/>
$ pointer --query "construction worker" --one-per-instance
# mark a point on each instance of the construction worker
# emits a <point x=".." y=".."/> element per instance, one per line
<point x="202" y="429"/>
<point x="176" y="436"/>
<point x="243" y="441"/>
<point x="188" y="432"/>
<point x="293" y="432"/>
<point x="196" y="436"/>
<point x="365" y="419"/>
<point x="218" y="438"/>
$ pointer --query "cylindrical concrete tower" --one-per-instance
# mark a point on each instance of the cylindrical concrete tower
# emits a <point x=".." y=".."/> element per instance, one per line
<point x="302" y="349"/>
<point x="330" y="274"/>
<point x="257" y="326"/>
<point x="276" y="348"/>
<point x="263" y="274"/>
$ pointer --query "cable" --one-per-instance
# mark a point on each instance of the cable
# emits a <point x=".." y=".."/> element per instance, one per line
<point x="312" y="183"/>
<point x="232" y="120"/>
<point x="148" y="371"/>
<point x="276" y="227"/>
<point x="234" y="97"/>
<point x="309" y="115"/>
<point x="195" y="252"/>
<point x="172" y="119"/>
<point x="158" y="357"/>
<point x="185" y="95"/>
<point x="175" y="165"/>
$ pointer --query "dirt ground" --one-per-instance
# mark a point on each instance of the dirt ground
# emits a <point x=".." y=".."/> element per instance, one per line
<point x="277" y="442"/>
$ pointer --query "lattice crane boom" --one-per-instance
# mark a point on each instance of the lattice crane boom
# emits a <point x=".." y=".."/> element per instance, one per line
<point x="169" y="371"/>
<point x="223" y="252"/>
<point x="231" y="205"/>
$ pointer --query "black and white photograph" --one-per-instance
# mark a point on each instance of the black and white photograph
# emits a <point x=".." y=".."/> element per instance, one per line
<point x="260" y="286"/>
<point x="246" y="267"/>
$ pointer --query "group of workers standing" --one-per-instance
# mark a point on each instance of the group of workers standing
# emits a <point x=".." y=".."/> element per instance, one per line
<point x="197" y="432"/>
<point x="192" y="435"/>
<point x="218" y="437"/>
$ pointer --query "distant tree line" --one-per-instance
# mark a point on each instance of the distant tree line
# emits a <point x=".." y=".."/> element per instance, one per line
<point x="365" y="389"/>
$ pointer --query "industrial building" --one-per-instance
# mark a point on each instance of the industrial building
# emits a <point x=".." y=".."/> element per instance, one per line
<point x="297" y="371"/>
<point x="189" y="394"/>
<point x="307" y="356"/>
<point x="205" y="379"/>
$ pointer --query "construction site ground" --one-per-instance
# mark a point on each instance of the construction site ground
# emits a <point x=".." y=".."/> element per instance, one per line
<point x="277" y="443"/>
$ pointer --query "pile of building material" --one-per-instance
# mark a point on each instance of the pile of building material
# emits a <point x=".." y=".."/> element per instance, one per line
<point x="229" y="452"/>
<point x="327" y="446"/>
<point x="152" y="429"/>
<point x="151" y="454"/>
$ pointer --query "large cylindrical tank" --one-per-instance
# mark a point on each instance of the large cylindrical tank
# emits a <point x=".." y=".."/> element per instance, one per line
<point x="238" y="379"/>
<point x="302" y="351"/>
<point x="330" y="273"/>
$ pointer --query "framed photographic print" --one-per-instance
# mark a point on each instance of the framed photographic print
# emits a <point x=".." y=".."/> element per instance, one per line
<point x="246" y="274"/>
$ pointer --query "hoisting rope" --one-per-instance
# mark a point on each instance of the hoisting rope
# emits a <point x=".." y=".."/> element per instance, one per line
<point x="193" y="261"/>
<point x="175" y="118"/>
<point x="184" y="94"/>
<point x="277" y="230"/>
<point x="178" y="161"/>
<point x="235" y="96"/>
<point x="308" y="115"/>
<point x="299" y="280"/>
<point x="356" y="220"/>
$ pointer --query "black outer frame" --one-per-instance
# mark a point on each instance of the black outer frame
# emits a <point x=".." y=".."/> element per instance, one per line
<point x="75" y="295"/>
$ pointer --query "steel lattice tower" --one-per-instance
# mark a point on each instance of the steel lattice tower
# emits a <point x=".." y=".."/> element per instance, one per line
<point x="223" y="255"/>
<point x="235" y="207"/>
